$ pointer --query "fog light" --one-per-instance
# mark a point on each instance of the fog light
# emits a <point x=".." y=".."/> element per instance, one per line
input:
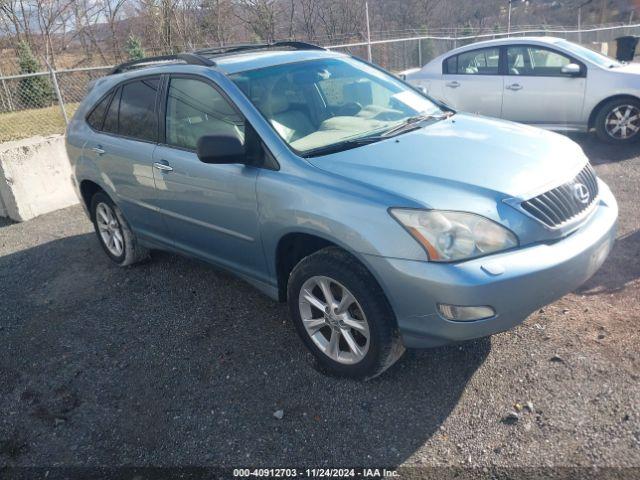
<point x="465" y="314"/>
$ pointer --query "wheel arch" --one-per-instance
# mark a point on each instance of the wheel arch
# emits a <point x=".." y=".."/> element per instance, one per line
<point x="293" y="246"/>
<point x="88" y="189"/>
<point x="598" y="107"/>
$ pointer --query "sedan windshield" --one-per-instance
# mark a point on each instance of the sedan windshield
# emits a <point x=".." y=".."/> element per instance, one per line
<point x="589" y="54"/>
<point x="320" y="104"/>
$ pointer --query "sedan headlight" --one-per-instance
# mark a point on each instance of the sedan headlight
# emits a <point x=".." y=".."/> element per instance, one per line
<point x="450" y="236"/>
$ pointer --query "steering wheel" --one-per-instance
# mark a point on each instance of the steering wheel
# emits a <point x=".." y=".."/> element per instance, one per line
<point x="349" y="109"/>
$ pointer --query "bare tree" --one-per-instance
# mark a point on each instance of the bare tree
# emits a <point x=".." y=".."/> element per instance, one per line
<point x="309" y="18"/>
<point x="260" y="17"/>
<point x="16" y="18"/>
<point x="52" y="17"/>
<point x="341" y="19"/>
<point x="216" y="21"/>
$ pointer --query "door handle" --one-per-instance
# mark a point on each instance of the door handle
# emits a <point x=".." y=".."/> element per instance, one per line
<point x="514" y="87"/>
<point x="163" y="167"/>
<point x="453" y="84"/>
<point x="98" y="150"/>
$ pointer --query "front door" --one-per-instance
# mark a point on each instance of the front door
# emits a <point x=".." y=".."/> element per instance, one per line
<point x="537" y="92"/>
<point x="471" y="82"/>
<point x="211" y="210"/>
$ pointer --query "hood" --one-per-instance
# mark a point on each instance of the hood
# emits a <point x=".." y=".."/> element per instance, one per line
<point x="447" y="163"/>
<point x="633" y="68"/>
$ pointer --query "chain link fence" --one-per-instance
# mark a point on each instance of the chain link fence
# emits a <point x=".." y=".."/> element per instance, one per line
<point x="416" y="50"/>
<point x="41" y="103"/>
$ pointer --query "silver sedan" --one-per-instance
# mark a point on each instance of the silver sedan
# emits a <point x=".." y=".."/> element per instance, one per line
<point x="548" y="82"/>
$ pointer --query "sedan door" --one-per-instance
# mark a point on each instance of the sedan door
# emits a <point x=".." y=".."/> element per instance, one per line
<point x="537" y="91"/>
<point x="211" y="210"/>
<point x="471" y="82"/>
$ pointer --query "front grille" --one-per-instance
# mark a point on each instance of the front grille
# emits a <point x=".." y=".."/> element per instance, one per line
<point x="562" y="204"/>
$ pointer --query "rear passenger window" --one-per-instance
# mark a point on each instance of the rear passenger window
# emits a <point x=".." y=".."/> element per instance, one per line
<point x="485" y="61"/>
<point x="137" y="118"/>
<point x="111" y="119"/>
<point x="194" y="109"/>
<point x="96" y="117"/>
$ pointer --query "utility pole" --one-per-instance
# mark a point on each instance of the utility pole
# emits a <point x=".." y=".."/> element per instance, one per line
<point x="509" y="21"/>
<point x="366" y="10"/>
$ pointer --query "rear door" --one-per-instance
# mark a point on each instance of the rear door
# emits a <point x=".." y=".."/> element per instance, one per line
<point x="471" y="81"/>
<point x="122" y="148"/>
<point x="535" y="89"/>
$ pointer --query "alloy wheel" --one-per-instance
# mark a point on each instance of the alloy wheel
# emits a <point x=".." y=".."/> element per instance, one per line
<point x="110" y="229"/>
<point x="623" y="122"/>
<point x="334" y="320"/>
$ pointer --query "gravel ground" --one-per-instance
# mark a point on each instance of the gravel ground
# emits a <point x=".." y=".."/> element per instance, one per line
<point x="176" y="363"/>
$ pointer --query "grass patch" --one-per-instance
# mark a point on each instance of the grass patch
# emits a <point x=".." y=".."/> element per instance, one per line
<point x="37" y="121"/>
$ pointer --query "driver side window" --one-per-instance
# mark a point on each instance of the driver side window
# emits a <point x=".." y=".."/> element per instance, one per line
<point x="536" y="62"/>
<point x="194" y="109"/>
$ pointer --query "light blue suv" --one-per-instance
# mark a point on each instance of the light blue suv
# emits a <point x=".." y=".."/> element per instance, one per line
<point x="385" y="219"/>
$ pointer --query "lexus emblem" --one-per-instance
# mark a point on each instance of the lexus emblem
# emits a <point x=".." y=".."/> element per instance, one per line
<point x="581" y="193"/>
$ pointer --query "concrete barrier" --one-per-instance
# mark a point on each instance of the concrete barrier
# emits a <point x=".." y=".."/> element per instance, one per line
<point x="35" y="177"/>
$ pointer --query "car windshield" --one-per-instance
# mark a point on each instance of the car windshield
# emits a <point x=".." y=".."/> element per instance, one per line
<point x="319" y="104"/>
<point x="589" y="54"/>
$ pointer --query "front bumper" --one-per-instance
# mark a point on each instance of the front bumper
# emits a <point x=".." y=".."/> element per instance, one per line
<point x="532" y="276"/>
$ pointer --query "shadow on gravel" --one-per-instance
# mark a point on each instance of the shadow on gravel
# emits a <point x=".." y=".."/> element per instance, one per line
<point x="600" y="152"/>
<point x="621" y="268"/>
<point x="176" y="363"/>
<point x="4" y="222"/>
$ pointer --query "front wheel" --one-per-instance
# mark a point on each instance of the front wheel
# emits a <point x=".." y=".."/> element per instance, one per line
<point x="342" y="315"/>
<point x="618" y="121"/>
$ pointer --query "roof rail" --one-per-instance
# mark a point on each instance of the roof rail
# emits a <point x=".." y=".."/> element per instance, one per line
<point x="213" y="51"/>
<point x="188" y="58"/>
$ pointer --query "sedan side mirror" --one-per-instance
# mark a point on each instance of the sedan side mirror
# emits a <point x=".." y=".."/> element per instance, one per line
<point x="221" y="149"/>
<point x="571" y="69"/>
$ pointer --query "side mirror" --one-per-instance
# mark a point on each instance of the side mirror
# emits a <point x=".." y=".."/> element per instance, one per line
<point x="221" y="149"/>
<point x="571" y="69"/>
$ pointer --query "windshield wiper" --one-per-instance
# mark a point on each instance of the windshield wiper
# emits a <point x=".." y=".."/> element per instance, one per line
<point x="342" y="146"/>
<point x="413" y="123"/>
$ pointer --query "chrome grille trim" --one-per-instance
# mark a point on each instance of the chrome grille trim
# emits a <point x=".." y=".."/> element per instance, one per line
<point x="559" y="206"/>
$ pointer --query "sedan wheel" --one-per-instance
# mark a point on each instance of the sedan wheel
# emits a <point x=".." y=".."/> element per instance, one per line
<point x="623" y="122"/>
<point x="334" y="320"/>
<point x="618" y="121"/>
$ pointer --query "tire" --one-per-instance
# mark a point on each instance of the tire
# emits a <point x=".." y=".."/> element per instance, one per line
<point x="616" y="110"/>
<point x="130" y="251"/>
<point x="376" y="337"/>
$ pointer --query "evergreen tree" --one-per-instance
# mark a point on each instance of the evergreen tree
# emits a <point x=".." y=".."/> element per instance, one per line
<point x="34" y="92"/>
<point x="134" y="49"/>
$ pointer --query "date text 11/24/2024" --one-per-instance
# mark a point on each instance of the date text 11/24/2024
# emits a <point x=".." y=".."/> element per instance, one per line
<point x="316" y="473"/>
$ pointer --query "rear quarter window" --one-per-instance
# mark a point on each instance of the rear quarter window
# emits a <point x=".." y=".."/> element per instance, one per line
<point x="111" y="119"/>
<point x="96" y="118"/>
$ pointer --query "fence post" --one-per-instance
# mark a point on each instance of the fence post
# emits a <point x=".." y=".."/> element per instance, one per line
<point x="56" y="88"/>
<point x="366" y="8"/>
<point x="6" y="92"/>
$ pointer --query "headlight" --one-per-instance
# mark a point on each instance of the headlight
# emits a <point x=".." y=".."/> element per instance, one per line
<point x="449" y="236"/>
